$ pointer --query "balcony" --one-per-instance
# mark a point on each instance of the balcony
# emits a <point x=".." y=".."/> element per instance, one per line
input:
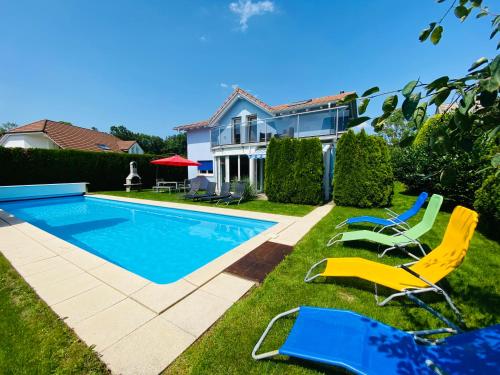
<point x="320" y="123"/>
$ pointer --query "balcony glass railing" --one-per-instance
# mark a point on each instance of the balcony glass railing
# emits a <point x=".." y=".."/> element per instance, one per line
<point x="306" y="124"/>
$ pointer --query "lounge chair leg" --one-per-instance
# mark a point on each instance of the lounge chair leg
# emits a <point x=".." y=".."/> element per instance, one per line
<point x="333" y="240"/>
<point x="266" y="331"/>
<point x="421" y="248"/>
<point x="310" y="278"/>
<point x="386" y="250"/>
<point x="438" y="315"/>
<point x="451" y="304"/>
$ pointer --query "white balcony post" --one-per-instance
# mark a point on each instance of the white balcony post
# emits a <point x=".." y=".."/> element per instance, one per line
<point x="252" y="171"/>
<point x="226" y="179"/>
<point x="239" y="168"/>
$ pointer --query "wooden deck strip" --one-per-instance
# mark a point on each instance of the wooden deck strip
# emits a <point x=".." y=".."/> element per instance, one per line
<point x="261" y="261"/>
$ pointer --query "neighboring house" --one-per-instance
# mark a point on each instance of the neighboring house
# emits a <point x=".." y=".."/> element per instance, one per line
<point x="60" y="135"/>
<point x="231" y="145"/>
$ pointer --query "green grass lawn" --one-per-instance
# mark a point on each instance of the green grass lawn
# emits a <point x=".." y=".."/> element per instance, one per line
<point x="32" y="338"/>
<point x="254" y="205"/>
<point x="226" y="347"/>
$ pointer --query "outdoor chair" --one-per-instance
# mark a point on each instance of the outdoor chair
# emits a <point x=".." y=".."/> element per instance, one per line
<point x="224" y="193"/>
<point x="193" y="191"/>
<point x="237" y="196"/>
<point x="399" y="240"/>
<point x="210" y="192"/>
<point x="416" y="277"/>
<point x="395" y="220"/>
<point x="363" y="345"/>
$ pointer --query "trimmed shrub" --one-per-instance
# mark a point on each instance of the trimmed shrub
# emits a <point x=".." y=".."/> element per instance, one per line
<point x="363" y="171"/>
<point x="294" y="171"/>
<point x="487" y="201"/>
<point x="103" y="170"/>
<point x="431" y="128"/>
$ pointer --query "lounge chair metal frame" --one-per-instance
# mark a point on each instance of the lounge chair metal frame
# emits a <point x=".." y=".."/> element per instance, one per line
<point x="239" y="191"/>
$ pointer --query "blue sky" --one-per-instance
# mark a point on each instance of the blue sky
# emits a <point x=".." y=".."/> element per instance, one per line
<point x="152" y="65"/>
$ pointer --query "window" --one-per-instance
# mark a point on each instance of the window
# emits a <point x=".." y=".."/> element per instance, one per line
<point x="236" y="122"/>
<point x="251" y="128"/>
<point x="206" y="167"/>
<point x="103" y="147"/>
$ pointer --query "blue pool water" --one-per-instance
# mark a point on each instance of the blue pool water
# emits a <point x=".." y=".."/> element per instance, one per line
<point x="157" y="243"/>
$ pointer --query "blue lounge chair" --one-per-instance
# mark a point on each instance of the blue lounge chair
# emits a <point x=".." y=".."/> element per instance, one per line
<point x="365" y="346"/>
<point x="395" y="220"/>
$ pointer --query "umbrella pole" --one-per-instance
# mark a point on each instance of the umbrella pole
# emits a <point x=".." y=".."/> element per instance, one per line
<point x="156" y="178"/>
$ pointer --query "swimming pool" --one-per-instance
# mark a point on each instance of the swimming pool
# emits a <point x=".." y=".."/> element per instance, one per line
<point x="158" y="243"/>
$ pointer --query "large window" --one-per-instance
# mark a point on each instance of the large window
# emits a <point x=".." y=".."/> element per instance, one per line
<point x="206" y="167"/>
<point x="251" y="128"/>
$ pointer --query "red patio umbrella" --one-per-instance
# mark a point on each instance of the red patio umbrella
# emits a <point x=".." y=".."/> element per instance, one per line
<point x="176" y="161"/>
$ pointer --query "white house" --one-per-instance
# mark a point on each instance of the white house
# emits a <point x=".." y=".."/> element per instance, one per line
<point x="231" y="145"/>
<point x="61" y="135"/>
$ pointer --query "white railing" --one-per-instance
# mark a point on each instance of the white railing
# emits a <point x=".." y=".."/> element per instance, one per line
<point x="318" y="123"/>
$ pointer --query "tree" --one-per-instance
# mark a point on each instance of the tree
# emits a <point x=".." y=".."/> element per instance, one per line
<point x="6" y="126"/>
<point x="397" y="130"/>
<point x="475" y="93"/>
<point x="153" y="144"/>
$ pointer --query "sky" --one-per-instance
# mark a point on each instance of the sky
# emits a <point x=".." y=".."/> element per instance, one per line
<point x="151" y="65"/>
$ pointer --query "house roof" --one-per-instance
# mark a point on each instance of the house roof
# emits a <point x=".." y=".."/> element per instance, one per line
<point x="194" y="125"/>
<point x="238" y="92"/>
<point x="69" y="136"/>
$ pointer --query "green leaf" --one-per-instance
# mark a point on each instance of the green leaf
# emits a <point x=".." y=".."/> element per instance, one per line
<point x="484" y="12"/>
<point x="467" y="102"/>
<point x="487" y="99"/>
<point x="478" y="63"/>
<point x="437" y="84"/>
<point x="357" y="121"/>
<point x="461" y="12"/>
<point x="436" y="34"/>
<point x="494" y="32"/>
<point x="348" y="98"/>
<point x="476" y="3"/>
<point x="440" y="96"/>
<point x="408" y="89"/>
<point x="419" y="114"/>
<point x="489" y="84"/>
<point x="410" y="105"/>
<point x="424" y="34"/>
<point x="390" y="103"/>
<point x="495" y="161"/>
<point x="363" y="105"/>
<point x="370" y="91"/>
<point x="495" y="69"/>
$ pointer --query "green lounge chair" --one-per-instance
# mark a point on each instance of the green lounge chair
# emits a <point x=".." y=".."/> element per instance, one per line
<point x="401" y="239"/>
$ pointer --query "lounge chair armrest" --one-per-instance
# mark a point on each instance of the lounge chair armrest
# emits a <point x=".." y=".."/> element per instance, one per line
<point x="390" y="212"/>
<point x="264" y="334"/>
<point x="436" y="331"/>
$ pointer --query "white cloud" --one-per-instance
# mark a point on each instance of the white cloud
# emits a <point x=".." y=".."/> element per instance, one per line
<point x="246" y="9"/>
<point x="203" y="38"/>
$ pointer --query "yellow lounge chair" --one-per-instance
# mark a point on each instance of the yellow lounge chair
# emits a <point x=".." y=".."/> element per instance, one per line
<point x="416" y="277"/>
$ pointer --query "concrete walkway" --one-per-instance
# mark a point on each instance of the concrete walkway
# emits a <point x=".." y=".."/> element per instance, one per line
<point x="138" y="327"/>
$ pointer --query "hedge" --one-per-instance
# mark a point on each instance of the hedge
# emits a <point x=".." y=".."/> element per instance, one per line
<point x="103" y="170"/>
<point x="363" y="174"/>
<point x="294" y="171"/>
